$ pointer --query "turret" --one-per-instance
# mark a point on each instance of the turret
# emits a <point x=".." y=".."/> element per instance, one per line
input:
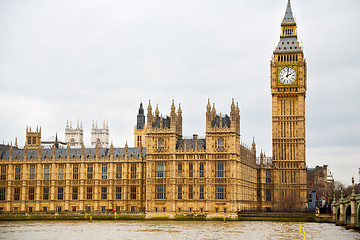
<point x="33" y="139"/>
<point x="140" y="124"/>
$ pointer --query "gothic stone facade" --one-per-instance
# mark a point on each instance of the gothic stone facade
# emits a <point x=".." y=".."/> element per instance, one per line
<point x="213" y="176"/>
<point x="166" y="174"/>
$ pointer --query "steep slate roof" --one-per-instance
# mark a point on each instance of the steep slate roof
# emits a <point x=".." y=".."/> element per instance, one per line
<point x="74" y="152"/>
<point x="288" y="45"/>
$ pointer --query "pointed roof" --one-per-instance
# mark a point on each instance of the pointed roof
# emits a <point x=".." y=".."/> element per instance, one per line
<point x="288" y="18"/>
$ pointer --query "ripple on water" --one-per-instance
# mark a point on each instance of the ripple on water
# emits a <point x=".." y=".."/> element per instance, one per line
<point x="157" y="230"/>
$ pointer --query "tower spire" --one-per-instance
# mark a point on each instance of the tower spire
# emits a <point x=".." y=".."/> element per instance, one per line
<point x="288" y="17"/>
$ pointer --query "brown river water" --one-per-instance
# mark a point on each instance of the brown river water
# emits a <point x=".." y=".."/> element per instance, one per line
<point x="156" y="230"/>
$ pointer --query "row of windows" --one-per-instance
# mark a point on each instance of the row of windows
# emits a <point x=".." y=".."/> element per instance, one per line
<point x="220" y="170"/>
<point x="75" y="172"/>
<point x="74" y="195"/>
<point x="267" y="195"/>
<point x="160" y="171"/>
<point x="201" y="210"/>
<point x="74" y="209"/>
<point x="284" y="58"/>
<point x="268" y="176"/>
<point x="220" y="192"/>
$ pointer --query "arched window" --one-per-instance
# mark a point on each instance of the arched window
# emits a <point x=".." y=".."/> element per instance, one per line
<point x="161" y="143"/>
<point x="221" y="143"/>
<point x="72" y="142"/>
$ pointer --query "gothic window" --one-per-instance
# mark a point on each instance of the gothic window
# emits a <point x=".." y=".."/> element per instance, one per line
<point x="72" y="142"/>
<point x="16" y="194"/>
<point x="220" y="169"/>
<point x="179" y="192"/>
<point x="268" y="176"/>
<point x="75" y="193"/>
<point x="118" y="193"/>
<point x="202" y="170"/>
<point x="61" y="172"/>
<point x="60" y="195"/>
<point x="90" y="172"/>
<point x="201" y="192"/>
<point x="89" y="193"/>
<point x="258" y="176"/>
<point x="160" y="170"/>
<point x="31" y="193"/>
<point x="34" y="140"/>
<point x="180" y="169"/>
<point x="133" y="171"/>
<point x="76" y="172"/>
<point x="3" y="173"/>
<point x="133" y="193"/>
<point x="161" y="143"/>
<point x="268" y="195"/>
<point x="103" y="193"/>
<point x="258" y="195"/>
<point x="191" y="192"/>
<point x="119" y="171"/>
<point x="46" y="172"/>
<point x="17" y="173"/>
<point x="191" y="170"/>
<point x="32" y="172"/>
<point x="45" y="193"/>
<point x="2" y="194"/>
<point x="104" y="172"/>
<point x="220" y="192"/>
<point x="160" y="192"/>
<point x="221" y="143"/>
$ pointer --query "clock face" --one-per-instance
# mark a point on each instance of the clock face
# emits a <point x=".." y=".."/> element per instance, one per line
<point x="287" y="75"/>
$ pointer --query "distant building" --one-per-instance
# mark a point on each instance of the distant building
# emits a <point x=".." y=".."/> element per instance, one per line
<point x="74" y="136"/>
<point x="100" y="135"/>
<point x="319" y="181"/>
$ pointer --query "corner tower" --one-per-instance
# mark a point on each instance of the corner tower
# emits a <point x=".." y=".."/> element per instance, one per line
<point x="288" y="90"/>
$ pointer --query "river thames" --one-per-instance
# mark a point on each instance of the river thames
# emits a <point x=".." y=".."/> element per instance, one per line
<point x="157" y="230"/>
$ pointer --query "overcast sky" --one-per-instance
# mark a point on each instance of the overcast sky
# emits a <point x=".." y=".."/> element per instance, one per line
<point x="94" y="60"/>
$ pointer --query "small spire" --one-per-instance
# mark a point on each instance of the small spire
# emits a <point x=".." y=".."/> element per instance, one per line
<point x="253" y="144"/>
<point x="70" y="124"/>
<point x="67" y="123"/>
<point x="157" y="110"/>
<point x="208" y="106"/>
<point x="173" y="106"/>
<point x="107" y="124"/>
<point x="213" y="109"/>
<point x="81" y="124"/>
<point x="77" y="124"/>
<point x="149" y="107"/>
<point x="179" y="109"/>
<point x="93" y="125"/>
<point x="16" y="142"/>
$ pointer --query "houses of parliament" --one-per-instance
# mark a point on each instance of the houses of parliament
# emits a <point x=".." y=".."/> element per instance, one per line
<point x="165" y="174"/>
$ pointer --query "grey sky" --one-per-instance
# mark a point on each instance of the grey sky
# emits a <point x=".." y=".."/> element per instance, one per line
<point x="79" y="60"/>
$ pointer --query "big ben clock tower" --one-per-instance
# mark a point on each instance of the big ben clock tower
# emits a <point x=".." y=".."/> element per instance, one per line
<point x="288" y="90"/>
